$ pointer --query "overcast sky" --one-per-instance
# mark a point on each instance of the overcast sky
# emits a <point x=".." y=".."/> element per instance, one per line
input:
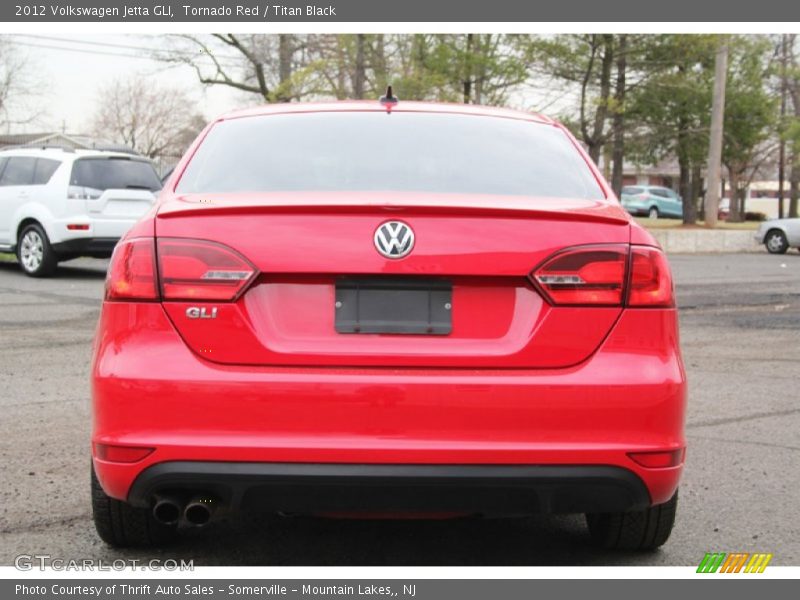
<point x="72" y="69"/>
<point x="69" y="71"/>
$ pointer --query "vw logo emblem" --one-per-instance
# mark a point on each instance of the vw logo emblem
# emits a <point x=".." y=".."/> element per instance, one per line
<point x="394" y="239"/>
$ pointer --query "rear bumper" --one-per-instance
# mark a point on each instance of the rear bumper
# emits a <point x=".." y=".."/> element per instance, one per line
<point x="331" y="488"/>
<point x="150" y="390"/>
<point x="637" y="209"/>
<point x="97" y="228"/>
<point x="96" y="247"/>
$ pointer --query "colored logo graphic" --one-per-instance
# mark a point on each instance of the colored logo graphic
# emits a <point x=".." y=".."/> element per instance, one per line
<point x="735" y="562"/>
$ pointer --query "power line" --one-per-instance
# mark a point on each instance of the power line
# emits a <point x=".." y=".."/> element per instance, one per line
<point x="152" y="58"/>
<point x="84" y="51"/>
<point x="173" y="51"/>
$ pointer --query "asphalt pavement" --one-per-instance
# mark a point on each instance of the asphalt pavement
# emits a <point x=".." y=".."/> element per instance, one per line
<point x="740" y="330"/>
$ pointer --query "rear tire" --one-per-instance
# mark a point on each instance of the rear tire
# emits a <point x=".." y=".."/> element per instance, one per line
<point x="34" y="252"/>
<point x="636" y="530"/>
<point x="652" y="213"/>
<point x="776" y="242"/>
<point x="121" y="525"/>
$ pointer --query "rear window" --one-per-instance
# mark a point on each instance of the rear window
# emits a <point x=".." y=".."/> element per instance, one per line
<point x="114" y="174"/>
<point x="632" y="190"/>
<point x="415" y="152"/>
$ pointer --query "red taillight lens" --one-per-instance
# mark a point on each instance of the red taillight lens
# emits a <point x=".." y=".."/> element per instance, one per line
<point x="132" y="272"/>
<point x="651" y="280"/>
<point x="201" y="270"/>
<point x="597" y="276"/>
<point x="591" y="275"/>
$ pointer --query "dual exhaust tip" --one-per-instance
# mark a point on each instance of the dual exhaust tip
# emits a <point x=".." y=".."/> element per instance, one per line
<point x="170" y="509"/>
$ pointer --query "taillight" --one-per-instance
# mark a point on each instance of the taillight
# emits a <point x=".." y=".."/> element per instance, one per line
<point x="605" y="275"/>
<point x="132" y="272"/>
<point x="77" y="192"/>
<point x="651" y="280"/>
<point x="590" y="275"/>
<point x="201" y="270"/>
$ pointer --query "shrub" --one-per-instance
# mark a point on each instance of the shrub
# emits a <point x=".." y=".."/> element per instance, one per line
<point x="754" y="216"/>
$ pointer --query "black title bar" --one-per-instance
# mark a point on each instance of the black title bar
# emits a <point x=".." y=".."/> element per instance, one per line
<point x="515" y="11"/>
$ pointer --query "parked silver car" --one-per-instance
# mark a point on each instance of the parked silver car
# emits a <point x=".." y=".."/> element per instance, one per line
<point x="778" y="235"/>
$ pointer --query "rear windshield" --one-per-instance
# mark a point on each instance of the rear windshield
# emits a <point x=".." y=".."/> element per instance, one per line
<point x="114" y="174"/>
<point x="415" y="152"/>
<point x="632" y="190"/>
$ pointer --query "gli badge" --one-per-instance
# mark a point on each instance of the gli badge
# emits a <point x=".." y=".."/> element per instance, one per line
<point x="201" y="312"/>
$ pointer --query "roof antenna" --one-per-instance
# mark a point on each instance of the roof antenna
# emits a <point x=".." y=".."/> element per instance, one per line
<point x="388" y="99"/>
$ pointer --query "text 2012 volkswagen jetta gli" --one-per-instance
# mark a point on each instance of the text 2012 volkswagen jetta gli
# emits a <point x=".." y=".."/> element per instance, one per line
<point x="389" y="309"/>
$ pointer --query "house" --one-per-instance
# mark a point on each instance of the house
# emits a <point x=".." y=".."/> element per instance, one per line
<point x="63" y="140"/>
<point x="664" y="173"/>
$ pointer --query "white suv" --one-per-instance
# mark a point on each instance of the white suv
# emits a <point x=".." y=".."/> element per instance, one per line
<point x="58" y="204"/>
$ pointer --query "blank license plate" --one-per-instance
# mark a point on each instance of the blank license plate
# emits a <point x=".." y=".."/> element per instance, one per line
<point x="394" y="305"/>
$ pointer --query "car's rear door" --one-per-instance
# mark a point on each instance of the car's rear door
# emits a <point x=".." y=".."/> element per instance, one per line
<point x="15" y="189"/>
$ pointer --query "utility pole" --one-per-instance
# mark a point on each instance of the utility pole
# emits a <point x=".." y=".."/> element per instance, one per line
<point x="782" y="147"/>
<point x="715" y="140"/>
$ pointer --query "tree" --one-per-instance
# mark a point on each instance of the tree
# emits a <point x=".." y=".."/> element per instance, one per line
<point x="468" y="68"/>
<point x="782" y="49"/>
<point x="154" y="120"/>
<point x="601" y="72"/>
<point x="716" y="133"/>
<point x="482" y="68"/>
<point x="17" y="87"/>
<point x="792" y="126"/>
<point x="586" y="61"/>
<point x="618" y="118"/>
<point x="673" y="109"/>
<point x="471" y="68"/>
<point x="417" y="68"/>
<point x="274" y="67"/>
<point x="341" y="66"/>
<point x="750" y="115"/>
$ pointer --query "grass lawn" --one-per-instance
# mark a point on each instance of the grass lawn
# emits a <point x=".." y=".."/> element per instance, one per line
<point x="677" y="223"/>
<point x="6" y="257"/>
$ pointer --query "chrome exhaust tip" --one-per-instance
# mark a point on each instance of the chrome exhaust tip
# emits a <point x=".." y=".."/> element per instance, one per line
<point x="199" y="510"/>
<point x="167" y="510"/>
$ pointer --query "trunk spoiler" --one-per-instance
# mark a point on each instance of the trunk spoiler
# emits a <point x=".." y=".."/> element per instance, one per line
<point x="394" y="204"/>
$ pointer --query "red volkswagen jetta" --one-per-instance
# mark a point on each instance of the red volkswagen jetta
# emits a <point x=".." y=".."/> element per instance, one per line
<point x="393" y="309"/>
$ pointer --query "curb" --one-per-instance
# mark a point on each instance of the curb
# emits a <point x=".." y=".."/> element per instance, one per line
<point x="691" y="241"/>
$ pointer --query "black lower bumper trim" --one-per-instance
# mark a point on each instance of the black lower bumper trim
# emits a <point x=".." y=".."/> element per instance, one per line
<point x="316" y="488"/>
<point x="95" y="247"/>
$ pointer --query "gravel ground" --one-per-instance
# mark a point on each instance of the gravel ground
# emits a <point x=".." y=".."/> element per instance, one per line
<point x="740" y="327"/>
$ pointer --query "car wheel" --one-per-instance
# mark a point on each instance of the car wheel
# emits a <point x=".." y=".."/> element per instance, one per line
<point x="776" y="242"/>
<point x="34" y="252"/>
<point x="636" y="530"/>
<point x="122" y="525"/>
<point x="653" y="212"/>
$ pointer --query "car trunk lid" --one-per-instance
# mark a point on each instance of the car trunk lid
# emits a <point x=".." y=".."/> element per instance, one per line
<point x="473" y="253"/>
